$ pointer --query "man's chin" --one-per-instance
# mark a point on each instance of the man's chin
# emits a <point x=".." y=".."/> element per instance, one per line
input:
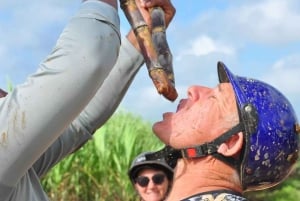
<point x="155" y="127"/>
<point x="160" y="132"/>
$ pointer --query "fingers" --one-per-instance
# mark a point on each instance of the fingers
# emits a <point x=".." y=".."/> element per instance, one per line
<point x="166" y="5"/>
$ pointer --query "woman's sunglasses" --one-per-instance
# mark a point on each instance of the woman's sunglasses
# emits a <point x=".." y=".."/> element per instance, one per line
<point x="144" y="181"/>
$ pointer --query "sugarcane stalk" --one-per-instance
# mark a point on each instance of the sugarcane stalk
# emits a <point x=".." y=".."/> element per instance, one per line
<point x="156" y="71"/>
<point x="159" y="38"/>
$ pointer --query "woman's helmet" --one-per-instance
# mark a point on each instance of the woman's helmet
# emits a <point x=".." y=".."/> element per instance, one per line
<point x="271" y="131"/>
<point x="142" y="162"/>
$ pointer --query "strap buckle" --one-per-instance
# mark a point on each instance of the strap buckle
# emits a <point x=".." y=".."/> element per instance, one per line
<point x="200" y="151"/>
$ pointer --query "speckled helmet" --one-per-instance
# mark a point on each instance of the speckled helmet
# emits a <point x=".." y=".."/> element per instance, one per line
<point x="271" y="140"/>
<point x="141" y="162"/>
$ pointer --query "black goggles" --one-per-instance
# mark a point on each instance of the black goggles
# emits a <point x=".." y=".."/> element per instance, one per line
<point x="157" y="179"/>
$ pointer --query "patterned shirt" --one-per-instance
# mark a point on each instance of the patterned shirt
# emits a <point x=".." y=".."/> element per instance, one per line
<point x="216" y="196"/>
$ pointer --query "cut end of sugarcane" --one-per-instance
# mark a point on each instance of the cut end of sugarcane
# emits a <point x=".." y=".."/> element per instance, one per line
<point x="171" y="94"/>
<point x="163" y="85"/>
<point x="168" y="93"/>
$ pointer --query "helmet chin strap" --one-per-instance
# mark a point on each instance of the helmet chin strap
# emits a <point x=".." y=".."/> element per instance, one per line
<point x="171" y="155"/>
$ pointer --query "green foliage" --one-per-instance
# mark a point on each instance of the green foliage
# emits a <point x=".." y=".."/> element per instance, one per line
<point x="98" y="171"/>
<point x="9" y="85"/>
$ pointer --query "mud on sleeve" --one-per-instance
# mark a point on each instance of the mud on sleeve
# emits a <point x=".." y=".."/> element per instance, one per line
<point x="35" y="114"/>
<point x="100" y="108"/>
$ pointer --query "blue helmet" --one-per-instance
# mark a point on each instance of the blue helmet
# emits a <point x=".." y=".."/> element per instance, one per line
<point x="271" y="140"/>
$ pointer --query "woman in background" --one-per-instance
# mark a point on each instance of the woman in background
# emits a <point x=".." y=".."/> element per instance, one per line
<point x="152" y="179"/>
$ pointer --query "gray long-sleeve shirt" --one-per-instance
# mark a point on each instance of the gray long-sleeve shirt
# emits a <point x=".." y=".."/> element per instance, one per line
<point x="74" y="91"/>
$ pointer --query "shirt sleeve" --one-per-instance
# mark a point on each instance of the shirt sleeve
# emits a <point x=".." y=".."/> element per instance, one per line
<point x="37" y="112"/>
<point x="96" y="113"/>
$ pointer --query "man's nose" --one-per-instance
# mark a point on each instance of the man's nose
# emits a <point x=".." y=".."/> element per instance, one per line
<point x="195" y="92"/>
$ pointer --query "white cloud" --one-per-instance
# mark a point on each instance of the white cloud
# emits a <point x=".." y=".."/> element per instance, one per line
<point x="204" y="45"/>
<point x="285" y="75"/>
<point x="26" y="23"/>
<point x="270" y="21"/>
<point x="146" y="102"/>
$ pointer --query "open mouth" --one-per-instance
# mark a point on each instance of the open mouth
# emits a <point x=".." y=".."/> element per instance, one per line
<point x="179" y="106"/>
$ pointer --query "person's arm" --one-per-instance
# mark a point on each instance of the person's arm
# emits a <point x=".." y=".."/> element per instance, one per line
<point x="101" y="107"/>
<point x="113" y="3"/>
<point x="35" y="114"/>
<point x="104" y="103"/>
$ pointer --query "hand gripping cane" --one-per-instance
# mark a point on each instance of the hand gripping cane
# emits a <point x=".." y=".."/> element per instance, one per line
<point x="154" y="47"/>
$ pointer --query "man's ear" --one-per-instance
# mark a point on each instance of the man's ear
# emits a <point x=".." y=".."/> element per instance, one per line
<point x="232" y="146"/>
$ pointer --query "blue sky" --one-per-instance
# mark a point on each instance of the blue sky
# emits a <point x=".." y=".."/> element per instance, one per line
<point x="257" y="38"/>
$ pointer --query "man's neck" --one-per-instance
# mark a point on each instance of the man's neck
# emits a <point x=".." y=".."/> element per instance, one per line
<point x="202" y="175"/>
